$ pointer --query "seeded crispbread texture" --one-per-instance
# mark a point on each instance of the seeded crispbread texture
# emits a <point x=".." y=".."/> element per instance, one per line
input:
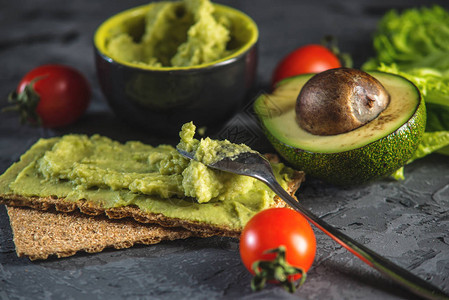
<point x="40" y="234"/>
<point x="88" y="208"/>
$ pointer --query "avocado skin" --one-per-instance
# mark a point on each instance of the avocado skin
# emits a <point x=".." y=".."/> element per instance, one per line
<point x="361" y="165"/>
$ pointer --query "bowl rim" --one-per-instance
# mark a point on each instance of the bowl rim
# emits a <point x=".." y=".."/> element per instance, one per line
<point x="101" y="33"/>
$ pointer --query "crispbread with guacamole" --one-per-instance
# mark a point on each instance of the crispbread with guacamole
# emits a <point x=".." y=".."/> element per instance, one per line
<point x="40" y="234"/>
<point x="150" y="184"/>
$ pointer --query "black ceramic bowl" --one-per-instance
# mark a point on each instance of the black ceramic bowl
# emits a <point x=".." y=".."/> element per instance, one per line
<point x="161" y="99"/>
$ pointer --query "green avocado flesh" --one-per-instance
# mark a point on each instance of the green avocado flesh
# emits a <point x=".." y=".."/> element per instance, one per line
<point x="155" y="179"/>
<point x="373" y="150"/>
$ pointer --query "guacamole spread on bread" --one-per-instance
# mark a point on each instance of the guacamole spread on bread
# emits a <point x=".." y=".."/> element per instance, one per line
<point x="176" y="34"/>
<point x="157" y="179"/>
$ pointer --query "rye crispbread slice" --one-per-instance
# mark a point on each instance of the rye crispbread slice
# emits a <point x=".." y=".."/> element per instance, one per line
<point x="88" y="208"/>
<point x="40" y="234"/>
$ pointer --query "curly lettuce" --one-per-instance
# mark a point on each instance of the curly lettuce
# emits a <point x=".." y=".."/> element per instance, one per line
<point x="415" y="38"/>
<point x="415" y="45"/>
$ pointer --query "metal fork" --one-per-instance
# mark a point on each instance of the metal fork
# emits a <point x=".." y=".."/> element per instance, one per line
<point x="256" y="166"/>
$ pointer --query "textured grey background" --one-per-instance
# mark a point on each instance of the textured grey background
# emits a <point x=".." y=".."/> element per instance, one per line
<point x="406" y="221"/>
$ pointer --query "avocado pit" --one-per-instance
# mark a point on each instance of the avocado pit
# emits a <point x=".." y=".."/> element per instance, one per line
<point x="339" y="100"/>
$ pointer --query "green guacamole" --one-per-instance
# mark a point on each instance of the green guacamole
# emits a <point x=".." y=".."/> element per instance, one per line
<point x="176" y="34"/>
<point x="209" y="151"/>
<point x="156" y="179"/>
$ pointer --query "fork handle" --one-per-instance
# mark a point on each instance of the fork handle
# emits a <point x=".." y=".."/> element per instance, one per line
<point x="401" y="276"/>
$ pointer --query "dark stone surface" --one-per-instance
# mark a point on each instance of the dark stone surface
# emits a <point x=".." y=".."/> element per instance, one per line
<point x="406" y="221"/>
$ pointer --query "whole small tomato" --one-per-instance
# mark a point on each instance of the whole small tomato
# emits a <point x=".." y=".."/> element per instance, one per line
<point x="52" y="95"/>
<point x="307" y="59"/>
<point x="273" y="228"/>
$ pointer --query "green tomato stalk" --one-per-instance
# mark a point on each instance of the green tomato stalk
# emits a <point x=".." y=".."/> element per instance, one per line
<point x="25" y="103"/>
<point x="277" y="270"/>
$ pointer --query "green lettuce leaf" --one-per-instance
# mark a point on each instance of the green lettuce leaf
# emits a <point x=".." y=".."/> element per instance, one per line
<point x="415" y="45"/>
<point x="415" y="38"/>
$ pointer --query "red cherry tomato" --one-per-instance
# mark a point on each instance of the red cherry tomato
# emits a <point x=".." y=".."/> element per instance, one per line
<point x="62" y="94"/>
<point x="272" y="228"/>
<point x="307" y="59"/>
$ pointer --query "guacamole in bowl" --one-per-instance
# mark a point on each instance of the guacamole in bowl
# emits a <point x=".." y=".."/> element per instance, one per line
<point x="166" y="63"/>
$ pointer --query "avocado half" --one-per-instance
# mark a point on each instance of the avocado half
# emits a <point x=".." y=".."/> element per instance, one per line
<point x="369" y="152"/>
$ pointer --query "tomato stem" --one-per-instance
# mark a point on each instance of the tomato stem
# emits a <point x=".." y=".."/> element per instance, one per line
<point x="278" y="270"/>
<point x="25" y="103"/>
<point x="330" y="42"/>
